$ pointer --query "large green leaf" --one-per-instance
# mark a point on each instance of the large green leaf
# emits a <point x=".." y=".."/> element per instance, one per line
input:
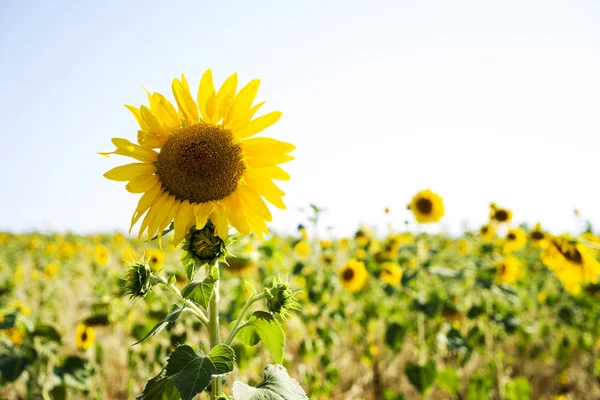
<point x="169" y="319"/>
<point x="189" y="373"/>
<point x="276" y="385"/>
<point x="394" y="335"/>
<point x="263" y="326"/>
<point x="47" y="332"/>
<point x="200" y="292"/>
<point x="73" y="372"/>
<point x="12" y="367"/>
<point x="421" y="376"/>
<point x="161" y="387"/>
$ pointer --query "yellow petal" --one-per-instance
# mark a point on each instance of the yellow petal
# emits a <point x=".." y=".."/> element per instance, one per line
<point x="267" y="145"/>
<point x="187" y="108"/>
<point x="145" y="202"/>
<point x="236" y="214"/>
<point x="243" y="101"/>
<point x="273" y="172"/>
<point x="250" y="199"/>
<point x="129" y="171"/>
<point x="184" y="219"/>
<point x="241" y="121"/>
<point x="126" y="148"/>
<point x="149" y="140"/>
<point x="163" y="109"/>
<point x="151" y="119"/>
<point x="171" y="210"/>
<point x="226" y="95"/>
<point x="267" y="161"/>
<point x="259" y="124"/>
<point x="154" y="209"/>
<point x="266" y="188"/>
<point x="160" y="216"/>
<point x="205" y="90"/>
<point x="202" y="212"/>
<point x="219" y="218"/>
<point x="142" y="183"/>
<point x="138" y="116"/>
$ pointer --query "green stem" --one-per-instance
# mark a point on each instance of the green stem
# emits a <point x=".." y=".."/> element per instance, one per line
<point x="197" y="311"/>
<point x="236" y="327"/>
<point x="213" y="330"/>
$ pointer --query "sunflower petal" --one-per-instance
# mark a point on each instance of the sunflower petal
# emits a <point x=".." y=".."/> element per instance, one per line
<point x="242" y="102"/>
<point x="151" y="214"/>
<point x="126" y="148"/>
<point x="236" y="213"/>
<point x="219" y="218"/>
<point x="273" y="172"/>
<point x="266" y="188"/>
<point x="145" y="202"/>
<point x="267" y="161"/>
<point x="259" y="124"/>
<point x="129" y="171"/>
<point x="138" y="116"/>
<point x="184" y="219"/>
<point x="226" y="95"/>
<point x="202" y="212"/>
<point x="205" y="90"/>
<point x="188" y="110"/>
<point x="252" y="200"/>
<point x="142" y="183"/>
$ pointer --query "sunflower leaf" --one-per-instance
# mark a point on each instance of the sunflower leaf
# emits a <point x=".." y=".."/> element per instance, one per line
<point x="189" y="372"/>
<point x="263" y="326"/>
<point x="200" y="292"/>
<point x="276" y="385"/>
<point x="169" y="319"/>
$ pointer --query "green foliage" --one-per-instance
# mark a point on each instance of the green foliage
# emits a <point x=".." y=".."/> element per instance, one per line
<point x="421" y="376"/>
<point x="47" y="332"/>
<point x="518" y="389"/>
<point x="189" y="373"/>
<point x="276" y="385"/>
<point x="479" y="387"/>
<point x="448" y="380"/>
<point x="394" y="335"/>
<point x="169" y="319"/>
<point x="263" y="326"/>
<point x="200" y="292"/>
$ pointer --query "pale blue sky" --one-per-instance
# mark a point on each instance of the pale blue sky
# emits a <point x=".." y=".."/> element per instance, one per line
<point x="480" y="101"/>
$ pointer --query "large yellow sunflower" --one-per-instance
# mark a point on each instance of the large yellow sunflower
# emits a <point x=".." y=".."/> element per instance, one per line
<point x="427" y="207"/>
<point x="208" y="164"/>
<point x="572" y="263"/>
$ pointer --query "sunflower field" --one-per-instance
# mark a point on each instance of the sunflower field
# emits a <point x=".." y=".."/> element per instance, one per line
<point x="505" y="312"/>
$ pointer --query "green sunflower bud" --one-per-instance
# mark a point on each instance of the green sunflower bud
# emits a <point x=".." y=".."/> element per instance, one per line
<point x="280" y="298"/>
<point x="139" y="280"/>
<point x="202" y="247"/>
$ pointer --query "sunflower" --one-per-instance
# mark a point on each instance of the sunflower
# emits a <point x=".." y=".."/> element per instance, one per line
<point x="508" y="270"/>
<point x="302" y="248"/>
<point x="50" y="270"/>
<point x="487" y="233"/>
<point x="571" y="262"/>
<point x="538" y="237"/>
<point x="101" y="254"/>
<point x="208" y="165"/>
<point x="156" y="259"/>
<point x="515" y="240"/>
<point x="84" y="336"/>
<point x="500" y="214"/>
<point x="427" y="207"/>
<point x="391" y="273"/>
<point x="353" y="276"/>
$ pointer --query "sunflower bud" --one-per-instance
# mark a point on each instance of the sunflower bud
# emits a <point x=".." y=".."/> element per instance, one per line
<point x="280" y="298"/>
<point x="202" y="247"/>
<point x="139" y="280"/>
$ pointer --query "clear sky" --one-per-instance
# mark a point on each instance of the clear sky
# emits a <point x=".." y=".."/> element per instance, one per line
<point x="478" y="100"/>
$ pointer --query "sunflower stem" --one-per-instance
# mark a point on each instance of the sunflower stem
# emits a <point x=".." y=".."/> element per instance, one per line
<point x="238" y="322"/>
<point x="213" y="329"/>
<point x="197" y="311"/>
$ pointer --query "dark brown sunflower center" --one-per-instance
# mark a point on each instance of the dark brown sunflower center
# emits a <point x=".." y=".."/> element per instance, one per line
<point x="425" y="206"/>
<point x="200" y="163"/>
<point x="569" y="251"/>
<point x="348" y="274"/>
<point x="501" y="216"/>
<point x="84" y="336"/>
<point x="511" y="236"/>
<point x="537" y="235"/>
<point x="484" y="230"/>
